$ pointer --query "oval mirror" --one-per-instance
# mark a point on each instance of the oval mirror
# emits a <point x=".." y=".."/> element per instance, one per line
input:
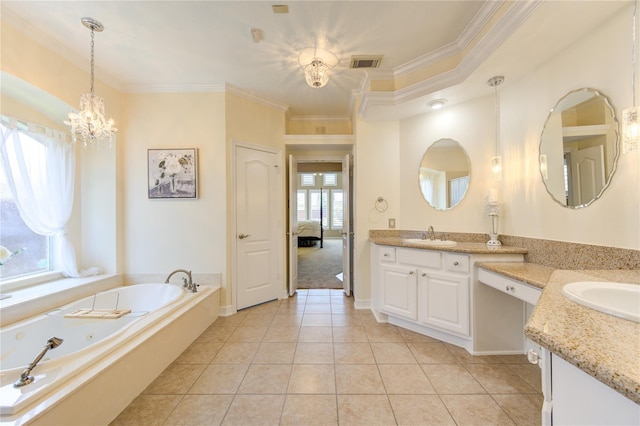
<point x="579" y="148"/>
<point x="444" y="174"/>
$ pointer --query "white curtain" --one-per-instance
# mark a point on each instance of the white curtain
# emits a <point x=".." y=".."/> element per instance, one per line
<point x="40" y="170"/>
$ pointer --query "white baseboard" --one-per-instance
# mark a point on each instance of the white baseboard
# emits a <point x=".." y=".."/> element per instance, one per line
<point x="227" y="310"/>
<point x="362" y="303"/>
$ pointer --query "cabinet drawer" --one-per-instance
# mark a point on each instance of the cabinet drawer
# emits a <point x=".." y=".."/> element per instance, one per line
<point x="515" y="288"/>
<point x="387" y="254"/>
<point x="457" y="263"/>
<point x="422" y="258"/>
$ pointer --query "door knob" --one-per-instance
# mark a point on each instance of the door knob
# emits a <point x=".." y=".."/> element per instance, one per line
<point x="243" y="236"/>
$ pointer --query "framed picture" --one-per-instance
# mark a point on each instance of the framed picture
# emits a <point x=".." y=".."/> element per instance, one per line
<point x="173" y="173"/>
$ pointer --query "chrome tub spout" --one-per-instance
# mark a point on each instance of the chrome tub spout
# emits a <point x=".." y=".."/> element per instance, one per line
<point x="25" y="377"/>
<point x="186" y="282"/>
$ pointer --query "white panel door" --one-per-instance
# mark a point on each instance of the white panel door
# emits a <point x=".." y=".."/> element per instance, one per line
<point x="587" y="175"/>
<point x="293" y="225"/>
<point x="256" y="227"/>
<point x="347" y="234"/>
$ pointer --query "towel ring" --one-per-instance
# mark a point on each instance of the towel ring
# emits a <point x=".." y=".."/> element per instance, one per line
<point x="381" y="205"/>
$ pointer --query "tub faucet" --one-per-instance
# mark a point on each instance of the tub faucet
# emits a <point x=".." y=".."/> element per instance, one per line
<point x="187" y="282"/>
<point x="25" y="377"/>
<point x="432" y="233"/>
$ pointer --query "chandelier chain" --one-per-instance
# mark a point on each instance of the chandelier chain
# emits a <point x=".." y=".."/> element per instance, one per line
<point x="92" y="60"/>
<point x="634" y="53"/>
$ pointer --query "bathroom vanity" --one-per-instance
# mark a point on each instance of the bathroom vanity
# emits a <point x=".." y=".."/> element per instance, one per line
<point x="434" y="290"/>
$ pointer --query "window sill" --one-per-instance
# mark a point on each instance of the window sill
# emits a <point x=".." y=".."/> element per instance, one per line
<point x="29" y="301"/>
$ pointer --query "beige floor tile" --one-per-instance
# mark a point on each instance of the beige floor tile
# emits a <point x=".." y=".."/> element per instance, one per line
<point x="287" y="320"/>
<point x="524" y="410"/>
<point x="365" y="410"/>
<point x="316" y="334"/>
<point x="281" y="334"/>
<point x="353" y="353"/>
<point x="219" y="379"/>
<point x="343" y="307"/>
<point x="318" y="299"/>
<point x="275" y="353"/>
<point x="345" y="320"/>
<point x="175" y="379"/>
<point x="530" y="373"/>
<point x="349" y="334"/>
<point x="266" y="379"/>
<point x="498" y="378"/>
<point x="265" y="308"/>
<point x="310" y="410"/>
<point x="314" y="353"/>
<point x="199" y="353"/>
<point x="216" y="334"/>
<point x="405" y="379"/>
<point x="475" y="410"/>
<point x="312" y="379"/>
<point x="148" y="410"/>
<point x="248" y="334"/>
<point x="431" y="353"/>
<point x="257" y="320"/>
<point x="452" y="379"/>
<point x="200" y="410"/>
<point x="358" y="379"/>
<point x="465" y="357"/>
<point x="317" y="308"/>
<point x="230" y="321"/>
<point x="247" y="410"/>
<point x="383" y="333"/>
<point x="291" y="308"/>
<point x="392" y="353"/>
<point x="423" y="410"/>
<point x="315" y="320"/>
<point x="236" y="353"/>
<point x="513" y="359"/>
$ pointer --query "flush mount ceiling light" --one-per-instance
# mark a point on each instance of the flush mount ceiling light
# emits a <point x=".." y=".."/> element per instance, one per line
<point x="437" y="104"/>
<point x="317" y="73"/>
<point x="90" y="124"/>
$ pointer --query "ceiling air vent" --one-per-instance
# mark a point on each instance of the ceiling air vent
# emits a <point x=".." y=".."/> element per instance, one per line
<point x="365" y="61"/>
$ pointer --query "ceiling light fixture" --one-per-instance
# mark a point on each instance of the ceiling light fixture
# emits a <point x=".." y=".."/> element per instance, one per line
<point x="437" y="104"/>
<point x="630" y="116"/>
<point x="317" y="73"/>
<point x="90" y="124"/>
<point x="496" y="160"/>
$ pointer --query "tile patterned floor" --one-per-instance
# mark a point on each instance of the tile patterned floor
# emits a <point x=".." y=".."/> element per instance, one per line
<point x="314" y="360"/>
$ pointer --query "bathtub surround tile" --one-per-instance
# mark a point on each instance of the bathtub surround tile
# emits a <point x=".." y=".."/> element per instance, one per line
<point x="200" y="410"/>
<point x="357" y="382"/>
<point x="175" y="379"/>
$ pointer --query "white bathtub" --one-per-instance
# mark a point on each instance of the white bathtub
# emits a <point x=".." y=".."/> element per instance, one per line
<point x="102" y="363"/>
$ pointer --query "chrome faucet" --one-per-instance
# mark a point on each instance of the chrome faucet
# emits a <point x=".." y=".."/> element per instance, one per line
<point x="432" y="233"/>
<point x="25" y="377"/>
<point x="186" y="282"/>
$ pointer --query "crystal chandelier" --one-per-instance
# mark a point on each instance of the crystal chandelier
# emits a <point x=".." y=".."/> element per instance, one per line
<point x="90" y="124"/>
<point x="496" y="161"/>
<point x="316" y="73"/>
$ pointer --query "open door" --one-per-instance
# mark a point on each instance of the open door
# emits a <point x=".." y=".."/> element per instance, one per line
<point x="293" y="225"/>
<point x="347" y="234"/>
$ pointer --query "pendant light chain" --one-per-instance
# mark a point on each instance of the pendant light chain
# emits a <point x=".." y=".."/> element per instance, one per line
<point x="92" y="60"/>
<point x="634" y="53"/>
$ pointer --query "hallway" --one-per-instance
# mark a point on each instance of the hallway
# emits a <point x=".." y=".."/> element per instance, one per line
<point x="314" y="359"/>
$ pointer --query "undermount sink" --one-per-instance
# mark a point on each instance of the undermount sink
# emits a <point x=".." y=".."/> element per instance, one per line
<point x="617" y="299"/>
<point x="430" y="242"/>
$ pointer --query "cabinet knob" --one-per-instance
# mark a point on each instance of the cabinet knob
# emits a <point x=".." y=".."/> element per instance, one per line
<point x="533" y="356"/>
<point x="424" y="274"/>
<point x="411" y="272"/>
<point x="386" y="255"/>
<point x="510" y="289"/>
<point x="456" y="263"/>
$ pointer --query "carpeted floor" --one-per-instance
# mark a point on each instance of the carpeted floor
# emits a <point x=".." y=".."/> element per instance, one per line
<point x="319" y="267"/>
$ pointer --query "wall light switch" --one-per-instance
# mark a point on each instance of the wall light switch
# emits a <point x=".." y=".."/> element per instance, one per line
<point x="392" y="223"/>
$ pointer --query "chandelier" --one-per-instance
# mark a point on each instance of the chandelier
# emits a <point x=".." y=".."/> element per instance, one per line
<point x="90" y="124"/>
<point x="316" y="73"/>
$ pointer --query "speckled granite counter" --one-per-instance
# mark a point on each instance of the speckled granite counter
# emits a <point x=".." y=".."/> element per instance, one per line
<point x="530" y="273"/>
<point x="604" y="346"/>
<point x="460" y="247"/>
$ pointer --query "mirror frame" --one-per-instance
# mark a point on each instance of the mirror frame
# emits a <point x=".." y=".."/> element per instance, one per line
<point x="464" y="151"/>
<point x="616" y="145"/>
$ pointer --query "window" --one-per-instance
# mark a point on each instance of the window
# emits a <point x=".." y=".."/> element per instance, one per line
<point x="307" y="179"/>
<point x="337" y="208"/>
<point x="302" y="204"/>
<point x="330" y="179"/>
<point x="33" y="254"/>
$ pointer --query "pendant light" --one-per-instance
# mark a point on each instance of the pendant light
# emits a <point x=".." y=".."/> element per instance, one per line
<point x="496" y="160"/>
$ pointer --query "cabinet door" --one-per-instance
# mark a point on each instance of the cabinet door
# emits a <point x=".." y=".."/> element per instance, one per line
<point x="444" y="301"/>
<point x="399" y="291"/>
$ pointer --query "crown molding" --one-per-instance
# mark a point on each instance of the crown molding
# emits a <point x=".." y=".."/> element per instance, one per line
<point x="511" y="21"/>
<point x="174" y="88"/>
<point x="319" y="118"/>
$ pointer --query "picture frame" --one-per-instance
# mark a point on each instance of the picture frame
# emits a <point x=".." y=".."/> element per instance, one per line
<point x="172" y="173"/>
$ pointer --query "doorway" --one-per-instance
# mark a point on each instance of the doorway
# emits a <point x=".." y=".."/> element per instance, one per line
<point x="320" y="222"/>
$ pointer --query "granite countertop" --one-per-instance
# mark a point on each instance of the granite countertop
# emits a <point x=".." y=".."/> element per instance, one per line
<point x="530" y="273"/>
<point x="460" y="247"/>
